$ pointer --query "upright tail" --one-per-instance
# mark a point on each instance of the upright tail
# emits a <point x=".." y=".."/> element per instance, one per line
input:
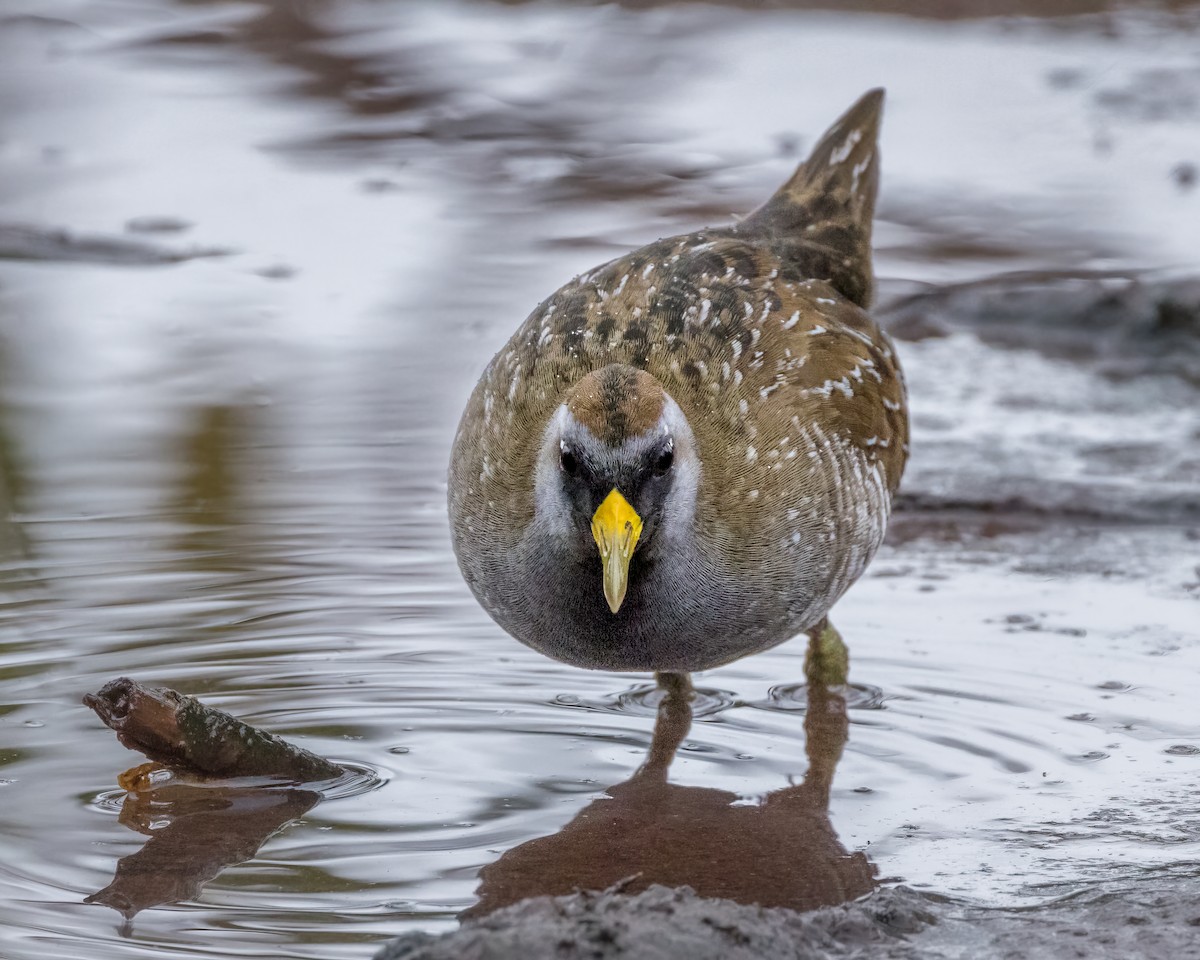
<point x="821" y="218"/>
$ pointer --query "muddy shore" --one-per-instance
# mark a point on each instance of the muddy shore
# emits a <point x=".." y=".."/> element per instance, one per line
<point x="1156" y="917"/>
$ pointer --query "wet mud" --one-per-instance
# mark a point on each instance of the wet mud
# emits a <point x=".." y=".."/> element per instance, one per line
<point x="1117" y="325"/>
<point x="1153" y="918"/>
<point x="663" y="923"/>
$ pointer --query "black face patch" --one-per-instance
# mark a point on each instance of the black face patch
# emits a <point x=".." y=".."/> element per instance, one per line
<point x="646" y="481"/>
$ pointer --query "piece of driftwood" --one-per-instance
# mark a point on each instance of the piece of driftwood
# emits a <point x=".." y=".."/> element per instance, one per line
<point x="184" y="735"/>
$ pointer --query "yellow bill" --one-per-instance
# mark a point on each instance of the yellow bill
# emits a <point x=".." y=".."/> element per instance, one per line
<point x="616" y="528"/>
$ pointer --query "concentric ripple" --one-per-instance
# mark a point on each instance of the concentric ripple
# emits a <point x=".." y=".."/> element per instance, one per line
<point x="794" y="697"/>
<point x="643" y="700"/>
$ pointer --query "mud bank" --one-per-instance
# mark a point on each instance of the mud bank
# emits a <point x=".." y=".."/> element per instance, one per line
<point x="1069" y="396"/>
<point x="1156" y="917"/>
<point x="1118" y="324"/>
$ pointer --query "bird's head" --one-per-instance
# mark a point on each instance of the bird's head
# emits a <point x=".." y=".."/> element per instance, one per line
<point x="617" y="473"/>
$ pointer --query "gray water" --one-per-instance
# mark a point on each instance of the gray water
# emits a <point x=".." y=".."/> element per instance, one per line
<point x="255" y="255"/>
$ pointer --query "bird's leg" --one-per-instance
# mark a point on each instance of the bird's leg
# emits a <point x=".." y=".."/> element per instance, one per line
<point x="678" y="685"/>
<point x="827" y="662"/>
<point x="670" y="727"/>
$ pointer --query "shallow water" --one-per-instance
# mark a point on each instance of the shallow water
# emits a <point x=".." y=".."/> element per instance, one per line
<point x="226" y="474"/>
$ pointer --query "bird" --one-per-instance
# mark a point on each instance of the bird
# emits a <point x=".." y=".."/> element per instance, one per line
<point x="687" y="455"/>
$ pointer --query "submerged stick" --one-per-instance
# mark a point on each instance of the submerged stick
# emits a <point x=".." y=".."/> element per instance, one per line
<point x="181" y="733"/>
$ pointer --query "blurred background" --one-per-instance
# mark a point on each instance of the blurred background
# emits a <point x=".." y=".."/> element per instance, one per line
<point x="253" y="256"/>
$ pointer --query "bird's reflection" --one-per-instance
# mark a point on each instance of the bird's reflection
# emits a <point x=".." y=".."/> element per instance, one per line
<point x="779" y="852"/>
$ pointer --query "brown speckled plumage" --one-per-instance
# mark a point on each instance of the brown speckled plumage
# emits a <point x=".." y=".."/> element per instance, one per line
<point x="616" y="402"/>
<point x="793" y="396"/>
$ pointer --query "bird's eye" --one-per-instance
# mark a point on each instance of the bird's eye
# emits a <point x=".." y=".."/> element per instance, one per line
<point x="566" y="460"/>
<point x="664" y="462"/>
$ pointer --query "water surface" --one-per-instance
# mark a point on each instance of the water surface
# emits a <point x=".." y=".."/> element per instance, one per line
<point x="255" y="257"/>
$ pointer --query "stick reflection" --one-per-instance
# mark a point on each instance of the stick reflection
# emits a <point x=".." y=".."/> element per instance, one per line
<point x="195" y="832"/>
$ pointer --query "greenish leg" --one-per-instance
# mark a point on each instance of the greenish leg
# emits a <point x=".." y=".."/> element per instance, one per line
<point x="827" y="662"/>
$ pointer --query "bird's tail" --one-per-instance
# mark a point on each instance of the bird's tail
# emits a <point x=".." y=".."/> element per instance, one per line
<point x="822" y="216"/>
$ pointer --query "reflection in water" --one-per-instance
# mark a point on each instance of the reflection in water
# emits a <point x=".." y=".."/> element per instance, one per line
<point x="195" y="832"/>
<point x="211" y="494"/>
<point x="208" y="493"/>
<point x="13" y="484"/>
<point x="779" y="852"/>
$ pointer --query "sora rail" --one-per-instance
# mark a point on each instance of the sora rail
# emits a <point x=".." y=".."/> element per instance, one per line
<point x="688" y="454"/>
